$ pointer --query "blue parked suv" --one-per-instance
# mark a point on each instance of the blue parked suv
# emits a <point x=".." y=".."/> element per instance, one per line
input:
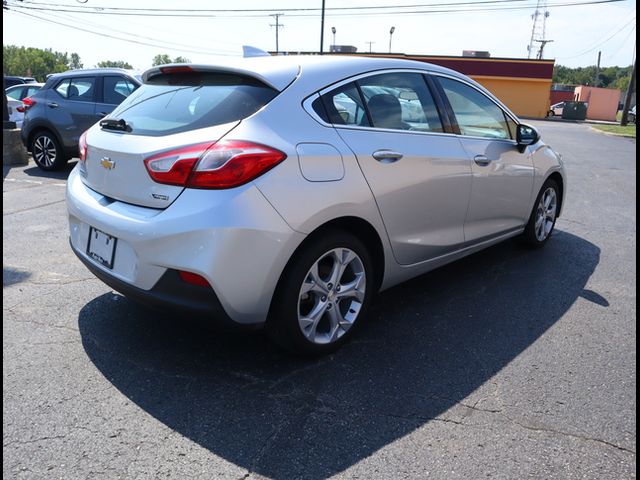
<point x="67" y="105"/>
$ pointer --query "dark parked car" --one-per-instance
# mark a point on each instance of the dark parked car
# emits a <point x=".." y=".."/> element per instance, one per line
<point x="10" y="80"/>
<point x="67" y="105"/>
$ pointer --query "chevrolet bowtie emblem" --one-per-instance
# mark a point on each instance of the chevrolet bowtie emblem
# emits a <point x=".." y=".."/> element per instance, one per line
<point x="107" y="163"/>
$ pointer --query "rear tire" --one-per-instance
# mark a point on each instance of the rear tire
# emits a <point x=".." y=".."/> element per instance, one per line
<point x="47" y="152"/>
<point x="323" y="295"/>
<point x="543" y="216"/>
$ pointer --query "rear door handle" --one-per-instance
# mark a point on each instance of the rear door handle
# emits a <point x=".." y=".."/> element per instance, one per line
<point x="481" y="160"/>
<point x="52" y="105"/>
<point x="103" y="114"/>
<point x="387" y="156"/>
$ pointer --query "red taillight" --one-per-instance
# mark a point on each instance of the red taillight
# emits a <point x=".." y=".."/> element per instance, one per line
<point x="82" y="147"/>
<point x="26" y="104"/>
<point x="226" y="164"/>
<point x="194" y="279"/>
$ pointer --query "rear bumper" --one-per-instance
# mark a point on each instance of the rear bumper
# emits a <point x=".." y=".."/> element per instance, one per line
<point x="233" y="238"/>
<point x="170" y="292"/>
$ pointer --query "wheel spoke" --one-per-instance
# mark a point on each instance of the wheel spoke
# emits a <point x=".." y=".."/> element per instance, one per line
<point x="313" y="282"/>
<point x="353" y="289"/>
<point x="309" y="323"/>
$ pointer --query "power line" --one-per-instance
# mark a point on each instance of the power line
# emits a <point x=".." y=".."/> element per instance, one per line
<point x="74" y="27"/>
<point x="255" y="10"/>
<point x="599" y="43"/>
<point x="359" y="14"/>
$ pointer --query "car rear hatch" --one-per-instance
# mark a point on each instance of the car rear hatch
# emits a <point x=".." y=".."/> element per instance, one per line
<point x="180" y="111"/>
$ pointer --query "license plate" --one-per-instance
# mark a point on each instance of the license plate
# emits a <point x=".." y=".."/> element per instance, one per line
<point x="101" y="247"/>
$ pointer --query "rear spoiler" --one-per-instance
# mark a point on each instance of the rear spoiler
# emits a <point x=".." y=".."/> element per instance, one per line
<point x="274" y="74"/>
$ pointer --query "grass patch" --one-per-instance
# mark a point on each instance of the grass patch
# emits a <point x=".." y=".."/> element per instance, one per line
<point x="628" y="131"/>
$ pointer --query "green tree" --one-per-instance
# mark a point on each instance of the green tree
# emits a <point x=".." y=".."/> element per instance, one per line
<point x="163" y="59"/>
<point x="114" y="64"/>
<point x="75" y="62"/>
<point x="35" y="62"/>
<point x="609" y="77"/>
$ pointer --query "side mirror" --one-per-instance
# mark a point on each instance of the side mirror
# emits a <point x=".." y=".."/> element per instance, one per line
<point x="526" y="135"/>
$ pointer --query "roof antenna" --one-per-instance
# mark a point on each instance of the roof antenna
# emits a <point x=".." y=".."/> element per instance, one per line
<point x="249" y="51"/>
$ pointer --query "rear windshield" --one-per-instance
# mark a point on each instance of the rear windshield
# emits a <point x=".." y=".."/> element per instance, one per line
<point x="176" y="103"/>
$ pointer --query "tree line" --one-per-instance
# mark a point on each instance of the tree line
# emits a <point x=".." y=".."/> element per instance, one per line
<point x="608" y="77"/>
<point x="38" y="63"/>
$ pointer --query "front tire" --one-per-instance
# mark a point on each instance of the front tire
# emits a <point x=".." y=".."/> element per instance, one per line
<point x="543" y="216"/>
<point x="323" y="296"/>
<point x="550" y="113"/>
<point x="46" y="151"/>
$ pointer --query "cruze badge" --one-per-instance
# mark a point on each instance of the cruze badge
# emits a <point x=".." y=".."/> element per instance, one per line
<point x="107" y="163"/>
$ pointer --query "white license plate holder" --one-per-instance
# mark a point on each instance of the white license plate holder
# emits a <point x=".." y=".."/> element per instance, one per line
<point x="101" y="247"/>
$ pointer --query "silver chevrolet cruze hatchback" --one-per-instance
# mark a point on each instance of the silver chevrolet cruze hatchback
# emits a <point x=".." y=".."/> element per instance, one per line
<point x="286" y="191"/>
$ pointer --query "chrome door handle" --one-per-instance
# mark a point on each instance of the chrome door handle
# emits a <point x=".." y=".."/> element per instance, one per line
<point x="52" y="105"/>
<point x="103" y="114"/>
<point x="481" y="160"/>
<point x="387" y="156"/>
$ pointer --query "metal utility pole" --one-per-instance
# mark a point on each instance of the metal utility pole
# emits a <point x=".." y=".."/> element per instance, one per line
<point x="369" y="43"/>
<point x="597" y="80"/>
<point x="278" y="26"/>
<point x="627" y="100"/>
<point x="322" y="29"/>
<point x="540" y="54"/>
<point x="539" y="29"/>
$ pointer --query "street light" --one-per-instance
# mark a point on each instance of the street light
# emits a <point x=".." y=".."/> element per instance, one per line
<point x="393" y="29"/>
<point x="333" y="30"/>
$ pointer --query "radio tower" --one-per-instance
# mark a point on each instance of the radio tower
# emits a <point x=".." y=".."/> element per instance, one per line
<point x="539" y="29"/>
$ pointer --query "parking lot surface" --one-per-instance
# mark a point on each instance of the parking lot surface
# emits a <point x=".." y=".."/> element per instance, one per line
<point x="511" y="363"/>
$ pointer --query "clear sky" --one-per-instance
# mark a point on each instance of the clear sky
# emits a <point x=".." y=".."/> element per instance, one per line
<point x="578" y="32"/>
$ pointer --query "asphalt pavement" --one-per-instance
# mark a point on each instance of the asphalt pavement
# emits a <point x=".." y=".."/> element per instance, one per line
<point x="508" y="364"/>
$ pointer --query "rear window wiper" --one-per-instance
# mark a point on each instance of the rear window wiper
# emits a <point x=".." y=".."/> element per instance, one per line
<point x="119" y="124"/>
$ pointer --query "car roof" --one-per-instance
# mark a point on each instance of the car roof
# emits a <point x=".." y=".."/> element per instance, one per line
<point x="316" y="70"/>
<point x="93" y="71"/>
<point x="22" y="85"/>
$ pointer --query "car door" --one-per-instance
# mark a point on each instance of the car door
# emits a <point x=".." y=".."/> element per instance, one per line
<point x="70" y="108"/>
<point x="114" y="89"/>
<point x="419" y="174"/>
<point x="502" y="176"/>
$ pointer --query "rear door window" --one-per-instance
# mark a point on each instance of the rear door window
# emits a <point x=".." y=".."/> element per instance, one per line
<point x="176" y="103"/>
<point x="77" y="89"/>
<point x="116" y="89"/>
<point x="400" y="101"/>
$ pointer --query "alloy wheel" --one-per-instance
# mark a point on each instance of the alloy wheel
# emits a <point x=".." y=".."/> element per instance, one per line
<point x="44" y="151"/>
<point x="331" y="296"/>
<point x="546" y="214"/>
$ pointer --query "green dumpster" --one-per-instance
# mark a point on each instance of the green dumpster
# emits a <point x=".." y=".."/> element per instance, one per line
<point x="574" y="111"/>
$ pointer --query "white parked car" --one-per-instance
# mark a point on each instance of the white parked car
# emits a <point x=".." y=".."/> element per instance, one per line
<point x="556" y="110"/>
<point x="15" y="95"/>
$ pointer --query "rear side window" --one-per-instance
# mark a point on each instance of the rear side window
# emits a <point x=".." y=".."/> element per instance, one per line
<point x="77" y="89"/>
<point x="15" y="93"/>
<point x="170" y="104"/>
<point x="116" y="89"/>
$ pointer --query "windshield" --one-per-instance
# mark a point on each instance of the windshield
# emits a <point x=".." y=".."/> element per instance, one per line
<point x="176" y="103"/>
